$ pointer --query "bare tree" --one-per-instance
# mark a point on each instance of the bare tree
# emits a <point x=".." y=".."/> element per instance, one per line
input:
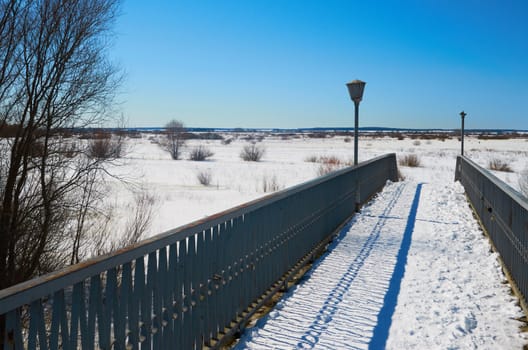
<point x="54" y="75"/>
<point x="127" y="233"/>
<point x="175" y="132"/>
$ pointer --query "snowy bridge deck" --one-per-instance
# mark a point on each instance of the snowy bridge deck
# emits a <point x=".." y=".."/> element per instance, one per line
<point x="412" y="270"/>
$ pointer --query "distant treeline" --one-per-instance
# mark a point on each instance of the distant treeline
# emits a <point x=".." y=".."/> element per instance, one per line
<point x="7" y="130"/>
<point x="335" y="131"/>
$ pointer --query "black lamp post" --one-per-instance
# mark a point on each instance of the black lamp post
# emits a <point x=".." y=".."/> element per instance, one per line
<point x="355" y="89"/>
<point x="462" y="114"/>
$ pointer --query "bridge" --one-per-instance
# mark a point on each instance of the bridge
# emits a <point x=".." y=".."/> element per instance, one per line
<point x="199" y="286"/>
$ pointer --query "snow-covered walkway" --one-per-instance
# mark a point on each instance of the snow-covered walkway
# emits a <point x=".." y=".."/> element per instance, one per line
<point x="368" y="290"/>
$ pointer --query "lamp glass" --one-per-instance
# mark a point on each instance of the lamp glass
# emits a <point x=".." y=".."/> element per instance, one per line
<point x="355" y="89"/>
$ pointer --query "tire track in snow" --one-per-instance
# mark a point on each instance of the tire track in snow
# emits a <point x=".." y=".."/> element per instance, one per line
<point x="339" y="302"/>
<point x="326" y="313"/>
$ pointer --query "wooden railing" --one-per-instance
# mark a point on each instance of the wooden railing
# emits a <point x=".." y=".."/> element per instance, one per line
<point x="190" y="287"/>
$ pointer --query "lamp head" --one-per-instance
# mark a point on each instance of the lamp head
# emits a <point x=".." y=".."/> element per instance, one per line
<point x="355" y="89"/>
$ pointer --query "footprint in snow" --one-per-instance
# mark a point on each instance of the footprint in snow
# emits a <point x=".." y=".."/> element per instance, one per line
<point x="470" y="322"/>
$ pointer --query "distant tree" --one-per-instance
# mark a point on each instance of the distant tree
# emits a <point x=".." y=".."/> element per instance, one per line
<point x="175" y="132"/>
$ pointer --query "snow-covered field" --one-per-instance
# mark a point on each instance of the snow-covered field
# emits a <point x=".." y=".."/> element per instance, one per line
<point x="179" y="197"/>
<point x="452" y="294"/>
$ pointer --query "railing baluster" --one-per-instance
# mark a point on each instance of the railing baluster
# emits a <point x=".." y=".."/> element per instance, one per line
<point x="244" y="262"/>
<point x="59" y="321"/>
<point x="123" y="319"/>
<point x="13" y="334"/>
<point x="216" y="282"/>
<point x="160" y="298"/>
<point x="55" y="322"/>
<point x="207" y="273"/>
<point x="171" y="297"/>
<point x="187" y="291"/>
<point x="109" y="303"/>
<point x="179" y="335"/>
<point x="221" y="276"/>
<point x="235" y="258"/>
<point x="94" y="313"/>
<point x="139" y="312"/>
<point x="229" y="251"/>
<point x="83" y="316"/>
<point x="201" y="298"/>
<point x="77" y="300"/>
<point x="37" y="326"/>
<point x="192" y="279"/>
<point x="147" y="300"/>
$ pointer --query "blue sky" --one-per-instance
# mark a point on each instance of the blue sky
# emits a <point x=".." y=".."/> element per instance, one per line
<point x="275" y="63"/>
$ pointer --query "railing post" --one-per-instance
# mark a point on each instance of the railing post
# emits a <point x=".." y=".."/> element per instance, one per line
<point x="463" y="115"/>
<point x="356" y="130"/>
<point x="458" y="168"/>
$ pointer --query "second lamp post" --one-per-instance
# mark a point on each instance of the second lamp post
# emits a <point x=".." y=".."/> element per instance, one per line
<point x="355" y="89"/>
<point x="463" y="115"/>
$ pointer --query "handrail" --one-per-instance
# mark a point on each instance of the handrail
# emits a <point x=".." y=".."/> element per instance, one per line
<point x="182" y="271"/>
<point x="503" y="214"/>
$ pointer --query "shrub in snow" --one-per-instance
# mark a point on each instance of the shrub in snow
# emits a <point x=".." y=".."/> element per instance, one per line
<point x="252" y="153"/>
<point x="204" y="177"/>
<point x="270" y="184"/>
<point x="227" y="141"/>
<point x="326" y="168"/>
<point x="104" y="148"/>
<point x="311" y="159"/>
<point x="499" y="165"/>
<point x="329" y="164"/>
<point x="410" y="160"/>
<point x="417" y="143"/>
<point x="200" y="153"/>
<point x="153" y="140"/>
<point x="331" y="160"/>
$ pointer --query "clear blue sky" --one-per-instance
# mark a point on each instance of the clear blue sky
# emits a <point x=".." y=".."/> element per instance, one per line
<point x="280" y="63"/>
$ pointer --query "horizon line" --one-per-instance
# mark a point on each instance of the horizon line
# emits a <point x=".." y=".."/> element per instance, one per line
<point x="369" y="128"/>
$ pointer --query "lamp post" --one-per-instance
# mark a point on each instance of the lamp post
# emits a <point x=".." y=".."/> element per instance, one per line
<point x="355" y="89"/>
<point x="462" y="114"/>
